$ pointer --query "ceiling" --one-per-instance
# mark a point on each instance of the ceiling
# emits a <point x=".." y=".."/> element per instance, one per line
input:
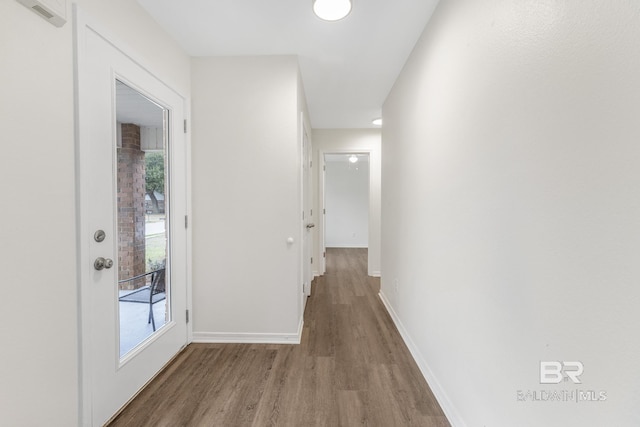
<point x="348" y="67"/>
<point x="133" y="107"/>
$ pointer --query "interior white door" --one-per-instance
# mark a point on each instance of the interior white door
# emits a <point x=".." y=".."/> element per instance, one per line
<point x="308" y="219"/>
<point x="110" y="379"/>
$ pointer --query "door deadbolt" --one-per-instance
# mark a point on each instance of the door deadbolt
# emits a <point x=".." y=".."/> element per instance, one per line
<point x="99" y="236"/>
<point x="101" y="263"/>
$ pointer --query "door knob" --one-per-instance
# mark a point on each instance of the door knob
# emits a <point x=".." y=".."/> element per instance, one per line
<point x="310" y="226"/>
<point x="101" y="263"/>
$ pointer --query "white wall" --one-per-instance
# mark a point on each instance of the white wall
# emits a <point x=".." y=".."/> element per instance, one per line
<point x="346" y="202"/>
<point x="39" y="309"/>
<point x="246" y="198"/>
<point x="351" y="140"/>
<point x="510" y="208"/>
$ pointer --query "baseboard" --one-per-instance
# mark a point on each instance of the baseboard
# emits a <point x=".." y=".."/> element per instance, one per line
<point x="375" y="274"/>
<point x="449" y="410"/>
<point x="347" y="246"/>
<point x="247" y="337"/>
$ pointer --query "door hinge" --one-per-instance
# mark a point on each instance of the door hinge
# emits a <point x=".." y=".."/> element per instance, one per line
<point x="324" y="211"/>
<point x="303" y="215"/>
<point x="185" y="125"/>
<point x="311" y="260"/>
<point x="324" y="254"/>
<point x="310" y="212"/>
<point x="187" y="316"/>
<point x="186" y="221"/>
<point x="324" y="168"/>
<point x="310" y="163"/>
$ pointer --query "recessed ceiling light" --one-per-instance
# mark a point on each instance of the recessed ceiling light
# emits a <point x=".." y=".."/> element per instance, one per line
<point x="377" y="122"/>
<point x="353" y="158"/>
<point x="331" y="10"/>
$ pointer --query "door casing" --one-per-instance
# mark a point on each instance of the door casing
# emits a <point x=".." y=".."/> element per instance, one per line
<point x="306" y="199"/>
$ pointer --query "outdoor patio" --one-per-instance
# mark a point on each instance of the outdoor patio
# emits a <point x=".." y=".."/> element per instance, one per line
<point x="134" y="322"/>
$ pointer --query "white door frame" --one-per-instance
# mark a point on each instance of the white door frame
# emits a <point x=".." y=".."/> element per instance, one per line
<point x="322" y="197"/>
<point x="306" y="195"/>
<point x="85" y="23"/>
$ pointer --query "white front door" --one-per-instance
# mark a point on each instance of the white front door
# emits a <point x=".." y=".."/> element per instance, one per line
<point x="118" y="265"/>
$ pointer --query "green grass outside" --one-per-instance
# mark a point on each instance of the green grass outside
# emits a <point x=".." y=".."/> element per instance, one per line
<point x="156" y="251"/>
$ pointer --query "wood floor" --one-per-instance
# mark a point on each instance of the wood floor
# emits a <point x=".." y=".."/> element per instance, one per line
<point x="352" y="368"/>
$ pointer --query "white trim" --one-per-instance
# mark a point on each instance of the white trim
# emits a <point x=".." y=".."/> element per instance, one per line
<point x="304" y="189"/>
<point x="247" y="337"/>
<point x="449" y="410"/>
<point x="189" y="212"/>
<point x="84" y="336"/>
<point x="84" y="19"/>
<point x="348" y="246"/>
<point x="375" y="274"/>
<point x="244" y="338"/>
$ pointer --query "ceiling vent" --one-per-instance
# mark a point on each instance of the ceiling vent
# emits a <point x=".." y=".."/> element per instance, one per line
<point x="54" y="11"/>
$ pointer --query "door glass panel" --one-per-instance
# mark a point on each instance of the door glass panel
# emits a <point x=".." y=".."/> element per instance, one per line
<point x="142" y="213"/>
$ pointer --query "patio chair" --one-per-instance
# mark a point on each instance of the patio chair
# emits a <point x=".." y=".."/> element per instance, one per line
<point x="158" y="293"/>
<point x="149" y="294"/>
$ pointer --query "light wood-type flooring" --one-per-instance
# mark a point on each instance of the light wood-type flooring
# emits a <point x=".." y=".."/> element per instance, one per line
<point x="352" y="368"/>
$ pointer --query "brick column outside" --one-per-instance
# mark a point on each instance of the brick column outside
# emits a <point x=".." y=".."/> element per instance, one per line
<point x="131" y="213"/>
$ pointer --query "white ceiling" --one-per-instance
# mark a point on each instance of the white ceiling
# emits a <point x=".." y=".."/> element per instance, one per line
<point x="348" y="67"/>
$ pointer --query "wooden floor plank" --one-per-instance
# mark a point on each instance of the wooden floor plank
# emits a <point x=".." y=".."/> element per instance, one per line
<point x="351" y="368"/>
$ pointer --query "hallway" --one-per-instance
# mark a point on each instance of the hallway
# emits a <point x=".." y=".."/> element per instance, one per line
<point x="351" y="368"/>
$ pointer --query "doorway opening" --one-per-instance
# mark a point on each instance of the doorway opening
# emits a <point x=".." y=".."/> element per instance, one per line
<point x="345" y="198"/>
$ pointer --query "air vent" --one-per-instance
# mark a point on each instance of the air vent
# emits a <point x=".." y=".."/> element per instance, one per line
<point x="42" y="12"/>
<point x="54" y="11"/>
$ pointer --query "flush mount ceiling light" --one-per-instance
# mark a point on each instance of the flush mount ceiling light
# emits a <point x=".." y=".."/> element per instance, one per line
<point x="353" y="158"/>
<point x="377" y="122"/>
<point x="331" y="10"/>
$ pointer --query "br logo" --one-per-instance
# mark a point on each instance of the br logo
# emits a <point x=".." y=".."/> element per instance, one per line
<point x="553" y="372"/>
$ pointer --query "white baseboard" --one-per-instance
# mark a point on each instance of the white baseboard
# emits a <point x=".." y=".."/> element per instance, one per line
<point x="449" y="410"/>
<point x="375" y="274"/>
<point x="347" y="246"/>
<point x="247" y="337"/>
